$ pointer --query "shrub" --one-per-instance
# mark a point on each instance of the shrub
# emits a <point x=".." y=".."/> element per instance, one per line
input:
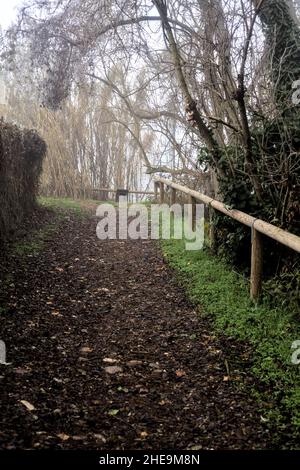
<point x="21" y="157"/>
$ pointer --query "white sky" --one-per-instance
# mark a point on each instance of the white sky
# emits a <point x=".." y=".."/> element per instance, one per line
<point x="8" y="11"/>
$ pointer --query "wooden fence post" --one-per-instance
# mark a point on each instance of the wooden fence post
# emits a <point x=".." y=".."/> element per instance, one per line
<point x="256" y="265"/>
<point x="192" y="201"/>
<point x="156" y="184"/>
<point x="121" y="192"/>
<point x="172" y="196"/>
<point x="162" y="192"/>
<point x="261" y="227"/>
<point x="212" y="234"/>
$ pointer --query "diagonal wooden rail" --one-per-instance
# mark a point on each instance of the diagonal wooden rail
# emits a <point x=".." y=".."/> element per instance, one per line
<point x="257" y="226"/>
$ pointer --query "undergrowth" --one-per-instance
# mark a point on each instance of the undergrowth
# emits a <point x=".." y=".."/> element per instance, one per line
<point x="224" y="297"/>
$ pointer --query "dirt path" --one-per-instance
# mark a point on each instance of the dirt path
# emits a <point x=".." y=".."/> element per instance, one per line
<point x="110" y="353"/>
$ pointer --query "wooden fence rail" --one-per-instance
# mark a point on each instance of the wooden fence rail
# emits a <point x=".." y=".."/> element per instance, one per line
<point x="130" y="191"/>
<point x="257" y="226"/>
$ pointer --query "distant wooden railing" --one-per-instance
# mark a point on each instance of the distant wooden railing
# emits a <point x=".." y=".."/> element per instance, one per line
<point x="129" y="191"/>
<point x="257" y="226"/>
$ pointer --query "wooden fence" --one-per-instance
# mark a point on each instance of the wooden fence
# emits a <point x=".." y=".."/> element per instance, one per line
<point x="257" y="226"/>
<point x="122" y="191"/>
<point x="130" y="191"/>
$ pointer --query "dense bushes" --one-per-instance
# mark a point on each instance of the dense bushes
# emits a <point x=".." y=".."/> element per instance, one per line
<point x="21" y="156"/>
<point x="260" y="172"/>
<point x="279" y="206"/>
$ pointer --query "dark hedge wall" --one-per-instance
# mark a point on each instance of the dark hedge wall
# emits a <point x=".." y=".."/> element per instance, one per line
<point x="21" y="156"/>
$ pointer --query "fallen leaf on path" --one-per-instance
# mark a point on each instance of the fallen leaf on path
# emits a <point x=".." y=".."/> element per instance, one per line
<point x="59" y="381"/>
<point x="21" y="371"/>
<point x="99" y="437"/>
<point x="109" y="360"/>
<point x="83" y="359"/>
<point x="154" y="365"/>
<point x="113" y="369"/>
<point x="63" y="437"/>
<point x="113" y="412"/>
<point x="134" y="363"/>
<point x="225" y="378"/>
<point x="180" y="373"/>
<point x="263" y="419"/>
<point x="56" y="312"/>
<point x="28" y="405"/>
<point x="86" y="349"/>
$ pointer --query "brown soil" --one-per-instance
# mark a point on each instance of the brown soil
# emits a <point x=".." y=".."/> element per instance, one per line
<point x="105" y="346"/>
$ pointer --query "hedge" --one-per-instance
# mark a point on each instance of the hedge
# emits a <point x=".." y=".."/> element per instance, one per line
<point x="21" y="156"/>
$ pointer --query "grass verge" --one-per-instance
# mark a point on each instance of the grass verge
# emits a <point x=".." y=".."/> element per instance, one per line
<point x="62" y="203"/>
<point x="224" y="297"/>
<point x="35" y="242"/>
